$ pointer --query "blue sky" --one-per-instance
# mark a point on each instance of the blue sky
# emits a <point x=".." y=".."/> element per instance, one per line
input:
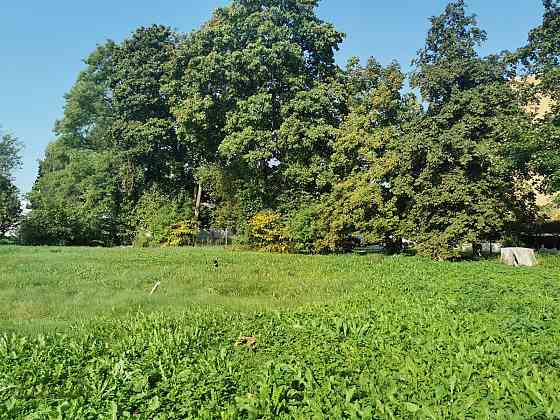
<point x="43" y="43"/>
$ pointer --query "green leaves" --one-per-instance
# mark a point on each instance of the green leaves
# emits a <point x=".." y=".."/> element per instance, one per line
<point x="10" y="158"/>
<point x="10" y="205"/>
<point x="461" y="162"/>
<point x="363" y="203"/>
<point x="258" y="80"/>
<point x="540" y="60"/>
<point x="252" y="112"/>
<point x="74" y="201"/>
<point x="388" y="343"/>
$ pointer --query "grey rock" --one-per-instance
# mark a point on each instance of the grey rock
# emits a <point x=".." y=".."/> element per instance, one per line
<point x="519" y="257"/>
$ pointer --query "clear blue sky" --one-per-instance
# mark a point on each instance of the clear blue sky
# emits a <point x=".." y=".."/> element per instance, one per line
<point x="43" y="43"/>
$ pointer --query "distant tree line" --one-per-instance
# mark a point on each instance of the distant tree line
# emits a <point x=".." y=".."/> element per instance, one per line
<point x="248" y="124"/>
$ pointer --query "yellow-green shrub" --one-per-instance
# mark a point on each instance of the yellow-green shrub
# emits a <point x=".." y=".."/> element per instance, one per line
<point x="182" y="234"/>
<point x="267" y="230"/>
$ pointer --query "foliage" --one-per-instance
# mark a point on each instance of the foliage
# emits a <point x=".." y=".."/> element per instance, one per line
<point x="457" y="163"/>
<point x="337" y="336"/>
<point x="449" y="60"/>
<point x="366" y="202"/>
<point x="156" y="213"/>
<point x="182" y="234"/>
<point x="250" y="112"/>
<point x="268" y="101"/>
<point x="143" y="128"/>
<point x="541" y="55"/>
<point x="10" y="157"/>
<point x="541" y="60"/>
<point x="306" y="230"/>
<point x="267" y="230"/>
<point x="75" y="200"/>
<point x="231" y="197"/>
<point x="10" y="205"/>
<point x="94" y="173"/>
<point x="88" y="110"/>
<point x="142" y="239"/>
<point x="52" y="225"/>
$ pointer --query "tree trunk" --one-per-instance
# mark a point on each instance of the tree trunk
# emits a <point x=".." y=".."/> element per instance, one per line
<point x="476" y="249"/>
<point x="198" y="198"/>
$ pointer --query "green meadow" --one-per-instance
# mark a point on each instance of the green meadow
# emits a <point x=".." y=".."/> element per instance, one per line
<point x="336" y="336"/>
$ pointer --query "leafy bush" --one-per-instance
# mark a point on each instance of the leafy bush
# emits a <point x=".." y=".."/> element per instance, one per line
<point x="438" y="248"/>
<point x="306" y="230"/>
<point x="50" y="225"/>
<point x="142" y="239"/>
<point x="267" y="231"/>
<point x="74" y="204"/>
<point x="182" y="234"/>
<point x="155" y="214"/>
<point x="10" y="206"/>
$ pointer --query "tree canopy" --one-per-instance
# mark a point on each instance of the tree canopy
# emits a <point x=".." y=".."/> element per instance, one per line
<point x="540" y="59"/>
<point x="459" y="170"/>
<point x="10" y="205"/>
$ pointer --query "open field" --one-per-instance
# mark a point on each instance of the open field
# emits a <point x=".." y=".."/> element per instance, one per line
<point x="337" y="336"/>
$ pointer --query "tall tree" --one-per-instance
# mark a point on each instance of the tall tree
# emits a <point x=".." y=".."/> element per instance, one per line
<point x="115" y="141"/>
<point x="76" y="198"/>
<point x="10" y="157"/>
<point x="541" y="59"/>
<point x="257" y="89"/>
<point x="458" y="166"/>
<point x="78" y="203"/>
<point x="10" y="205"/>
<point x="366" y="202"/>
<point x="143" y="128"/>
<point x="88" y="107"/>
<point x="541" y="55"/>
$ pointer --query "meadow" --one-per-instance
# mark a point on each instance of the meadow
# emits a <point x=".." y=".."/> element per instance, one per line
<point x="336" y="336"/>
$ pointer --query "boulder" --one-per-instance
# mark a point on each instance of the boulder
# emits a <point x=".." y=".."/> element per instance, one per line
<point x="519" y="257"/>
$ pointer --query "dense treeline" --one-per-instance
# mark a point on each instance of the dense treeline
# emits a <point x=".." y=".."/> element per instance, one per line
<point x="248" y="124"/>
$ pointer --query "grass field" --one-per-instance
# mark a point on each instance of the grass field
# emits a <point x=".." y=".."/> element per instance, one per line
<point x="336" y="336"/>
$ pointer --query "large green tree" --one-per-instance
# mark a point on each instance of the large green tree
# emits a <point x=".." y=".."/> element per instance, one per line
<point x="76" y="204"/>
<point x="143" y="128"/>
<point x="256" y="90"/>
<point x="366" y="202"/>
<point x="115" y="141"/>
<point x="541" y="55"/>
<point x="541" y="60"/>
<point x="88" y="107"/>
<point x="10" y="205"/>
<point x="76" y="198"/>
<point x="251" y="112"/>
<point x="459" y="163"/>
<point x="10" y="157"/>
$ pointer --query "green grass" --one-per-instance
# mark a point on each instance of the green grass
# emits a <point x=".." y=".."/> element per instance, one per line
<point x="337" y="336"/>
